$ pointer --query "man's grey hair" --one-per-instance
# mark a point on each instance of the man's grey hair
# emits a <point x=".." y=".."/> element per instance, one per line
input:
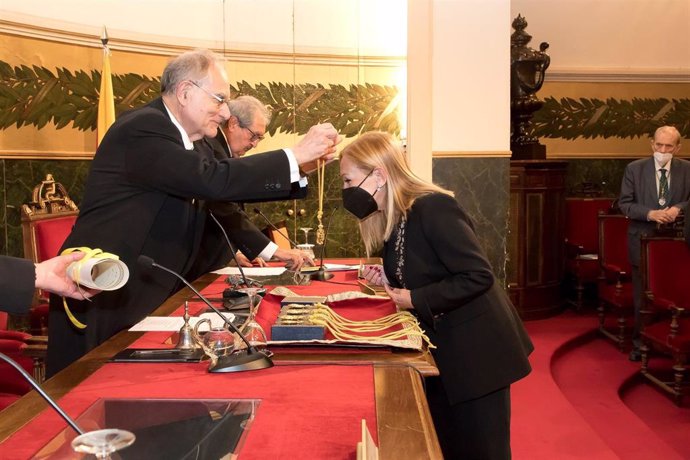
<point x="246" y="108"/>
<point x="191" y="65"/>
<point x="668" y="129"/>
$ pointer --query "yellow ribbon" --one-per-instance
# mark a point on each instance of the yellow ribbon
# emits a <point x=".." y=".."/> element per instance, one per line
<point x="344" y="329"/>
<point x="89" y="254"/>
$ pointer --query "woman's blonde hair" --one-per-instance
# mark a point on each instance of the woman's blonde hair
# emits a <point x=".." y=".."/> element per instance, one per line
<point x="380" y="150"/>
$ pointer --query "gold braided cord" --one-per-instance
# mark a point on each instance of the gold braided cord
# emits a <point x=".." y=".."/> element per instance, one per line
<point x="321" y="178"/>
<point x="88" y="254"/>
<point x="345" y="329"/>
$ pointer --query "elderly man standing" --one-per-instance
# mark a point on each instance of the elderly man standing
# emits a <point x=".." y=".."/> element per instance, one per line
<point x="243" y="131"/>
<point x="654" y="191"/>
<point x="149" y="191"/>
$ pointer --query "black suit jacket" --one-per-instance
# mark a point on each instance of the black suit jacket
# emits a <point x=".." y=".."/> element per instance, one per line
<point x="639" y="195"/>
<point x="17" y="284"/>
<point x="244" y="235"/>
<point x="146" y="194"/>
<point x="481" y="343"/>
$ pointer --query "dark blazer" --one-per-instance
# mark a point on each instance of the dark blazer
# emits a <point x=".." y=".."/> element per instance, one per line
<point x="639" y="195"/>
<point x="146" y="194"/>
<point x="17" y="284"/>
<point x="481" y="343"/>
<point x="244" y="235"/>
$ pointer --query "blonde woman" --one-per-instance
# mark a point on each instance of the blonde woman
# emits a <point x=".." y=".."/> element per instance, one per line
<point x="435" y="267"/>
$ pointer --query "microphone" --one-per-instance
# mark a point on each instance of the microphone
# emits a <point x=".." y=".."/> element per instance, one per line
<point x="232" y="248"/>
<point x="253" y="359"/>
<point x="103" y="439"/>
<point x="272" y="225"/>
<point x="321" y="274"/>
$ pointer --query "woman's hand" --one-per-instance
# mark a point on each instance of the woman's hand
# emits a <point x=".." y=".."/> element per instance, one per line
<point x="374" y="275"/>
<point x="401" y="297"/>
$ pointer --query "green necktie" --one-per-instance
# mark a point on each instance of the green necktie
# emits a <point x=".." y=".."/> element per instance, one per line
<point x="663" y="188"/>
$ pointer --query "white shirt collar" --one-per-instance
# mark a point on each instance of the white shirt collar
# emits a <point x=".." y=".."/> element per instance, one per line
<point x="667" y="166"/>
<point x="185" y="137"/>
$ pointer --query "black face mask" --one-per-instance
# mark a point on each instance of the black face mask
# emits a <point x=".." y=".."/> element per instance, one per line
<point x="359" y="202"/>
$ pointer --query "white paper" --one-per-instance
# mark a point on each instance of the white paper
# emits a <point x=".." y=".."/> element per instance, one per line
<point x="158" y="323"/>
<point x="338" y="267"/>
<point x="102" y="274"/>
<point x="174" y="323"/>
<point x="252" y="271"/>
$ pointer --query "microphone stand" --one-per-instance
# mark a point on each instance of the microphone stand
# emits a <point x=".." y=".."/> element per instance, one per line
<point x="98" y="441"/>
<point x="40" y="391"/>
<point x="252" y="360"/>
<point x="321" y="274"/>
<point x="248" y="282"/>
<point x="232" y="250"/>
<point x="272" y="225"/>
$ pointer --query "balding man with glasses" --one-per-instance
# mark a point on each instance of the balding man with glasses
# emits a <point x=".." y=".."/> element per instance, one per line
<point x="241" y="132"/>
<point x="149" y="191"/>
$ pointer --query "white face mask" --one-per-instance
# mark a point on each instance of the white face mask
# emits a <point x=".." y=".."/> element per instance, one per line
<point x="662" y="158"/>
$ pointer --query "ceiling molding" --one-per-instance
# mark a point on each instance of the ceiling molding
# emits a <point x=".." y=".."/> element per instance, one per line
<point x="158" y="45"/>
<point x="618" y="75"/>
<point x="43" y="155"/>
<point x="471" y="154"/>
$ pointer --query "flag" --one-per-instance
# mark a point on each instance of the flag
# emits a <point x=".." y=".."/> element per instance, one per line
<point x="106" y="101"/>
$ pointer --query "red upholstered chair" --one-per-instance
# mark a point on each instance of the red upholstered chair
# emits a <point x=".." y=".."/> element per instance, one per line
<point x="12" y="386"/>
<point x="615" y="285"/>
<point x="46" y="221"/>
<point x="665" y="267"/>
<point x="582" y="242"/>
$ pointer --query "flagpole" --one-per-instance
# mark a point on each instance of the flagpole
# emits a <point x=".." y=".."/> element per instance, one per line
<point x="106" y="99"/>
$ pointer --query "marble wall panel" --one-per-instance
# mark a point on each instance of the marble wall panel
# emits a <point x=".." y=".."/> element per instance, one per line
<point x="481" y="187"/>
<point x="19" y="177"/>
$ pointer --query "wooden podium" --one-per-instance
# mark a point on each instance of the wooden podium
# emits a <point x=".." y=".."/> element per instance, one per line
<point x="536" y="237"/>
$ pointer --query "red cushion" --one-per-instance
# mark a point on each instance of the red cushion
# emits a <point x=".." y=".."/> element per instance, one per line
<point x="38" y="319"/>
<point x="668" y="271"/>
<point x="621" y="298"/>
<point x="581" y="221"/>
<point x="12" y="344"/>
<point x="586" y="270"/>
<point x="10" y="379"/>
<point x="659" y="333"/>
<point x="14" y="335"/>
<point x="50" y="234"/>
<point x="613" y="241"/>
<point x="7" y="399"/>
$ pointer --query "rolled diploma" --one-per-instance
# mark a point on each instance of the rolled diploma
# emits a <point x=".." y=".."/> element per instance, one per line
<point x="102" y="274"/>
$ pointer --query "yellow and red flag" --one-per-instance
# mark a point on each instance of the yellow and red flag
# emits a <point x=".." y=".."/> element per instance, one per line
<point x="106" y="100"/>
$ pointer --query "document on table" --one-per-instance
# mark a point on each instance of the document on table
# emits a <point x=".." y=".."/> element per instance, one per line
<point x="339" y="267"/>
<point x="174" y="323"/>
<point x="252" y="271"/>
<point x="329" y="267"/>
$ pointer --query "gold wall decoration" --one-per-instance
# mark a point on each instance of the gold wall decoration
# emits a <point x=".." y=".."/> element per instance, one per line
<point x="35" y="96"/>
<point x="589" y="118"/>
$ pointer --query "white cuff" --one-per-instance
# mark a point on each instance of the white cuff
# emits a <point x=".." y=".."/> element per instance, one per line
<point x="269" y="250"/>
<point x="294" y="167"/>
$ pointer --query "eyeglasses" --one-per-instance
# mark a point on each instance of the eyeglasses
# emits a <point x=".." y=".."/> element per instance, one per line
<point x="220" y="100"/>
<point x="255" y="137"/>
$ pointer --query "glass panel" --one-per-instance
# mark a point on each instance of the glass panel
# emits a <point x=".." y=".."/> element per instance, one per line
<point x="165" y="428"/>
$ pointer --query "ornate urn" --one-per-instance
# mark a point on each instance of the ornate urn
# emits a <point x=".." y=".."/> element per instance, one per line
<point x="527" y="69"/>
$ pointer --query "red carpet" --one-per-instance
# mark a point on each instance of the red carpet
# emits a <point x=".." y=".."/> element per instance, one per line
<point x="584" y="400"/>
